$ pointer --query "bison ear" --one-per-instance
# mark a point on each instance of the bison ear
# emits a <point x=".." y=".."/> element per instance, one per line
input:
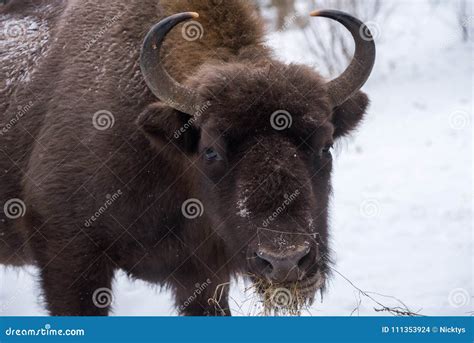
<point x="164" y="126"/>
<point x="347" y="116"/>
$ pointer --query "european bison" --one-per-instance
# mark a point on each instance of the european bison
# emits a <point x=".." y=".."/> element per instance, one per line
<point x="183" y="156"/>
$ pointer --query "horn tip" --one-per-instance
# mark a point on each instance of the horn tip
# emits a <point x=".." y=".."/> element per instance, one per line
<point x="315" y="13"/>
<point x="194" y="14"/>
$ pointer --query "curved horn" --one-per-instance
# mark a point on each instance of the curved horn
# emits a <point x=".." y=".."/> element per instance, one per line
<point x="156" y="77"/>
<point x="353" y="78"/>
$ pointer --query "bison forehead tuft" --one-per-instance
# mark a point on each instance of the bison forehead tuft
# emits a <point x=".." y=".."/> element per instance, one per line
<point x="245" y="98"/>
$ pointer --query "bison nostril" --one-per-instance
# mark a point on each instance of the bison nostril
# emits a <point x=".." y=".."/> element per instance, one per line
<point x="264" y="265"/>
<point x="282" y="266"/>
<point x="305" y="261"/>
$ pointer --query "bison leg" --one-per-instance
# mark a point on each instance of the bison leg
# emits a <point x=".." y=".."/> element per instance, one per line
<point x="75" y="274"/>
<point x="200" y="295"/>
<point x="74" y="288"/>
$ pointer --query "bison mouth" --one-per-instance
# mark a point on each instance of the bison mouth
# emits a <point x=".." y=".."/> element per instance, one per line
<point x="288" y="299"/>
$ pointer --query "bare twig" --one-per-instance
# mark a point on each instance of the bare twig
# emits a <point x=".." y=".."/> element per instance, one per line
<point x="402" y="310"/>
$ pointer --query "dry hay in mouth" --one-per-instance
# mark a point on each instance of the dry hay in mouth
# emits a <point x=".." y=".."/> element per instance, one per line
<point x="283" y="300"/>
<point x="264" y="298"/>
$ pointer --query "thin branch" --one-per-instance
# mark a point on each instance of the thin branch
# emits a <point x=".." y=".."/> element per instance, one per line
<point x="402" y="310"/>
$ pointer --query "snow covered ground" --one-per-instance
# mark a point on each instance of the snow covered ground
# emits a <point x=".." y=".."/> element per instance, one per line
<point x="402" y="221"/>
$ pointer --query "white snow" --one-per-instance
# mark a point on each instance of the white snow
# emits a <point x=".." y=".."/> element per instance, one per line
<point x="242" y="209"/>
<point x="402" y="209"/>
<point x="22" y="44"/>
<point x="243" y="212"/>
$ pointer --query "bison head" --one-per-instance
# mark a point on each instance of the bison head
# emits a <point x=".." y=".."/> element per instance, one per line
<point x="260" y="134"/>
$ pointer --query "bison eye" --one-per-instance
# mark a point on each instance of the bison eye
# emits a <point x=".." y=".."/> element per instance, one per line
<point x="211" y="155"/>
